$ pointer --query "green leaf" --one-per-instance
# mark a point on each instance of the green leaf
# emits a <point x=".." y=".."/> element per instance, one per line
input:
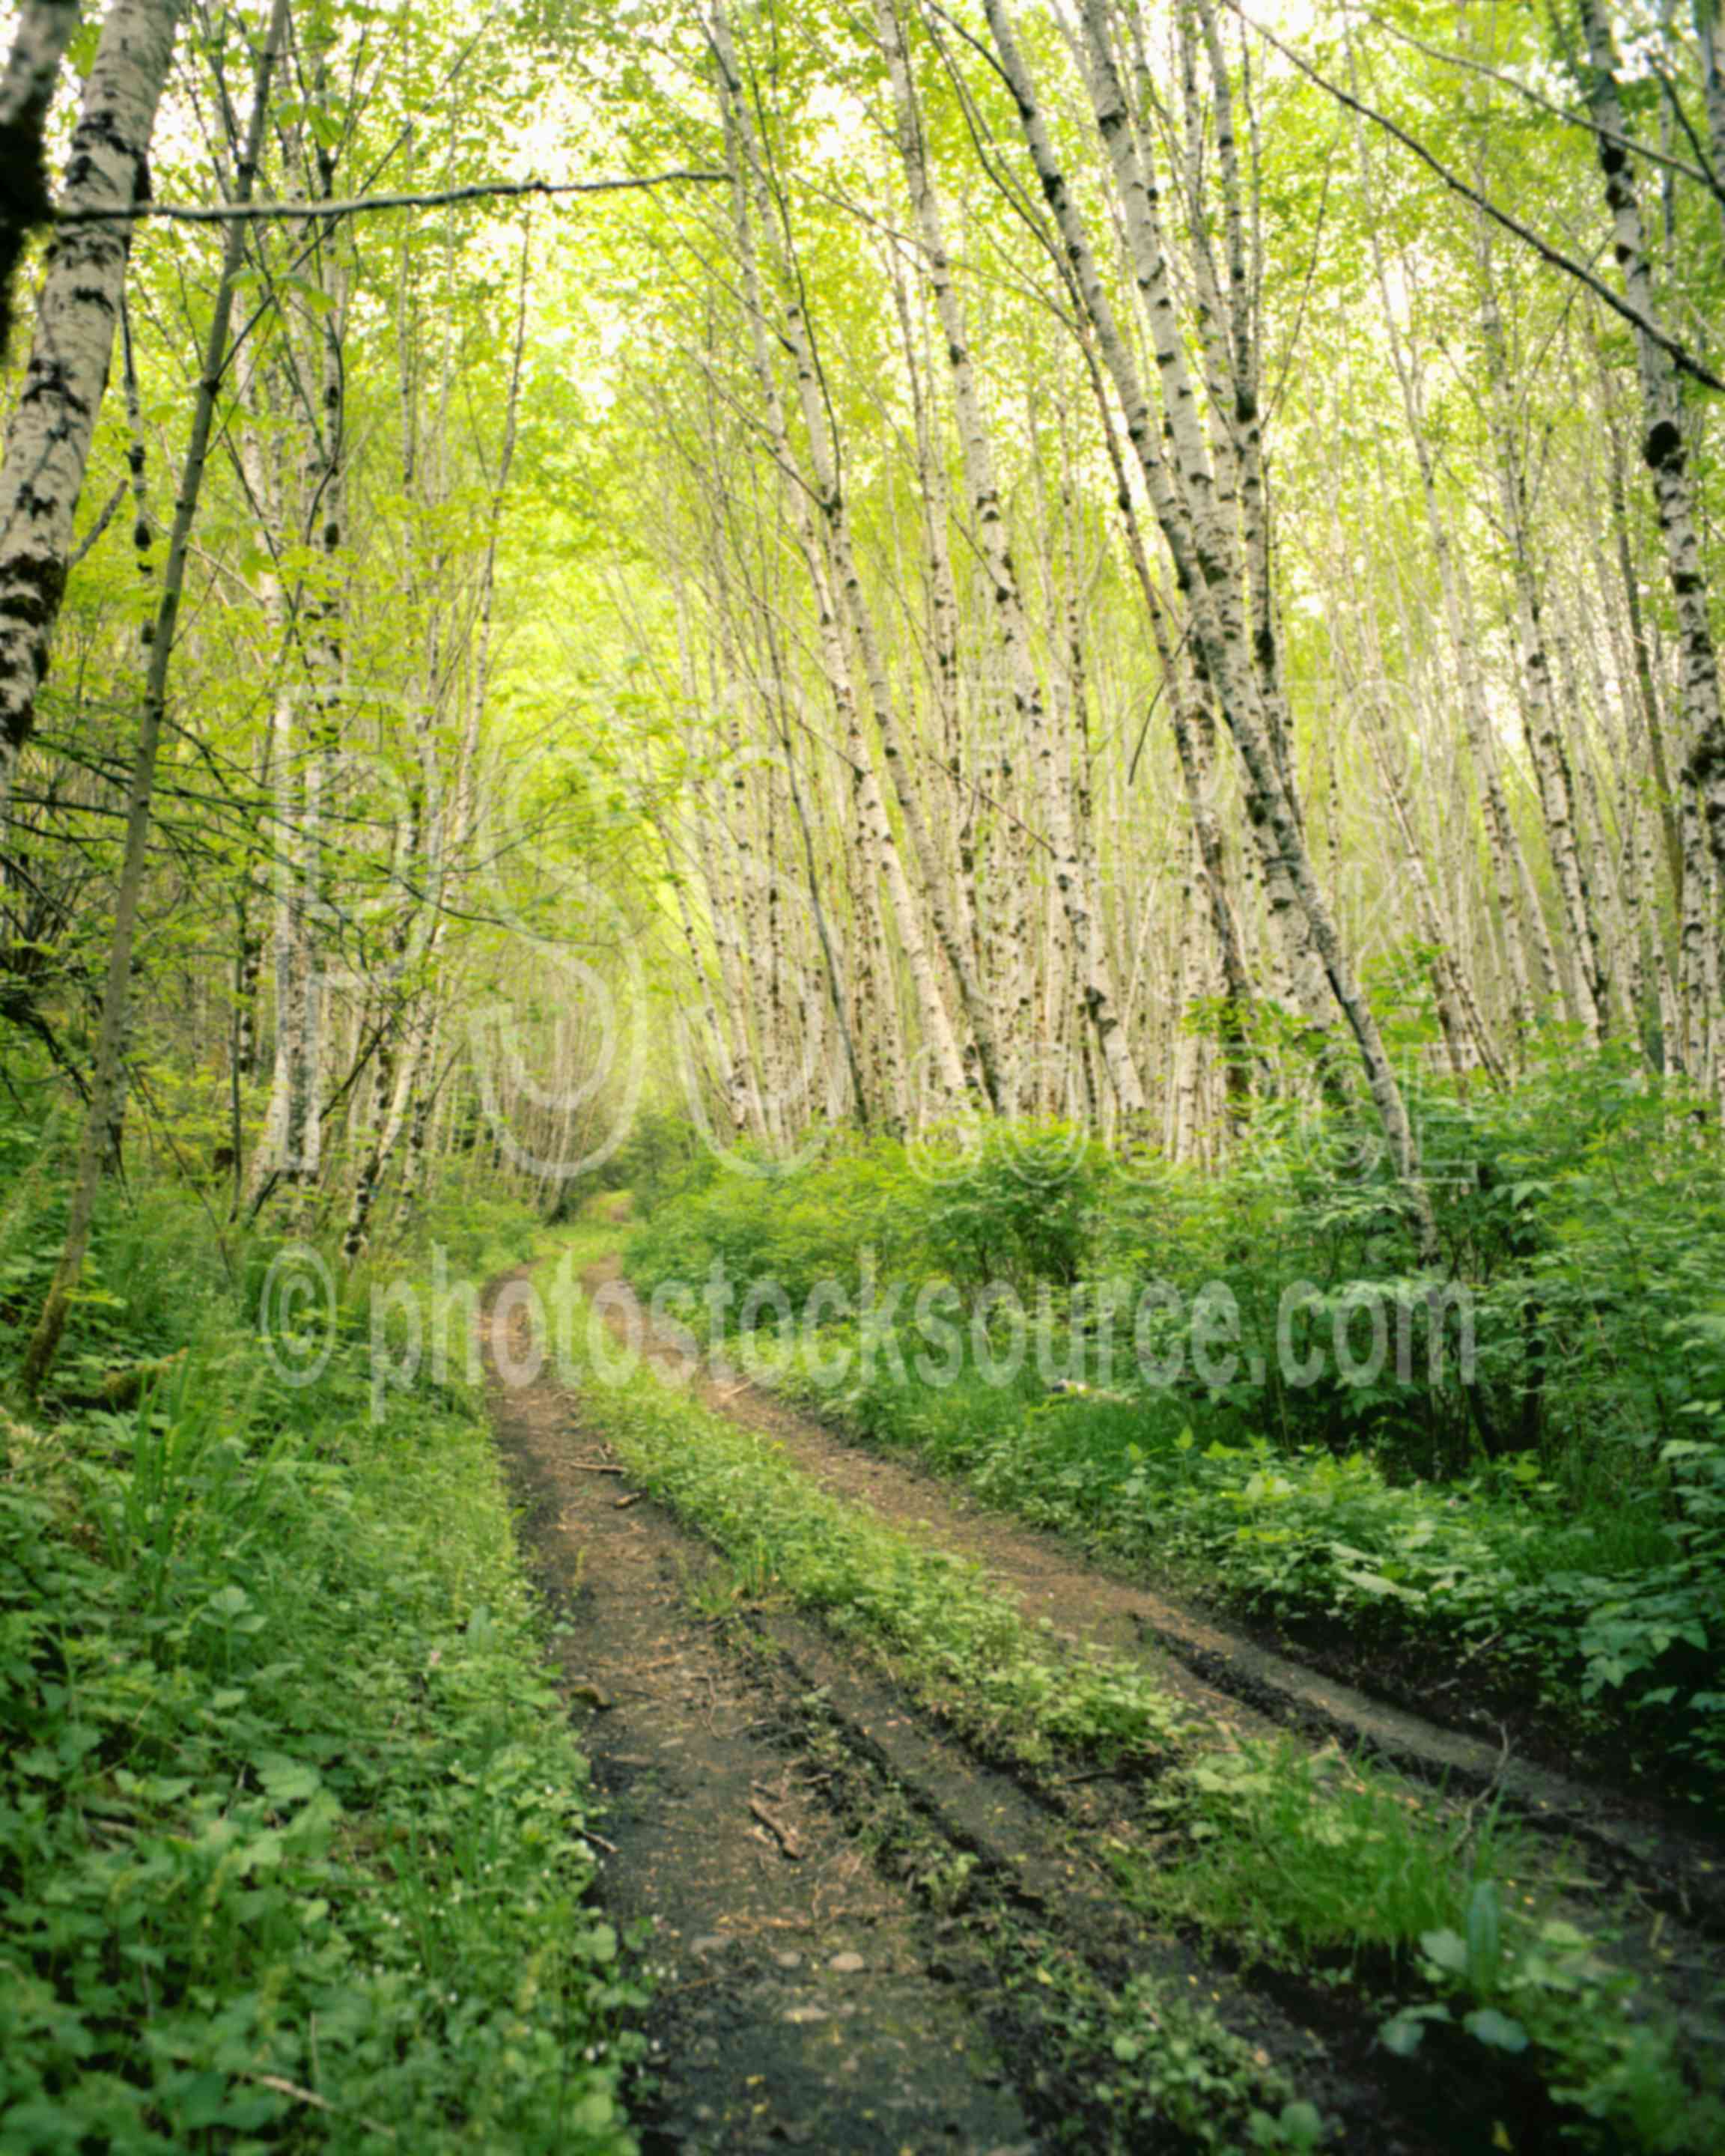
<point x="1447" y="1949"/>
<point x="1404" y="2036"/>
<point x="1497" y="2030"/>
<point x="313" y="296"/>
<point x="1484" y="1936"/>
<point x="1302" y="2124"/>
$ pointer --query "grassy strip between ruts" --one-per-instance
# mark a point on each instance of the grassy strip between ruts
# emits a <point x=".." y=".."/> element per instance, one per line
<point x="1351" y="1872"/>
<point x="1492" y="1578"/>
<point x="1523" y="1501"/>
<point x="290" y="1820"/>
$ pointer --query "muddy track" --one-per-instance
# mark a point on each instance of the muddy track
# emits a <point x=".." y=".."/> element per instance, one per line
<point x="863" y="1935"/>
<point x="1228" y="1678"/>
<point x="794" y="2005"/>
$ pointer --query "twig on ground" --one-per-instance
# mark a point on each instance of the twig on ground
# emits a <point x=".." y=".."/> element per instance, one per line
<point x="788" y="1838"/>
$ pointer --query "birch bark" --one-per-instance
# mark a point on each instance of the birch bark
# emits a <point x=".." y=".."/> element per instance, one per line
<point x="107" y="1097"/>
<point x="1503" y="847"/>
<point x="1663" y="449"/>
<point x="1097" y="986"/>
<point x="1209" y="578"/>
<point x="44" y="27"/>
<point x="880" y="845"/>
<point x="1547" y="749"/>
<point x="48" y="438"/>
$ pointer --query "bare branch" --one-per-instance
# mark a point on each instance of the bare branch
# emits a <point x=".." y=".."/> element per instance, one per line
<point x="436" y="198"/>
<point x="1678" y="352"/>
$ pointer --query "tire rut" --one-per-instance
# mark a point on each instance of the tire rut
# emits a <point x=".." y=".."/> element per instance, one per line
<point x="878" y="1989"/>
<point x="793" y="2004"/>
<point x="1226" y="1679"/>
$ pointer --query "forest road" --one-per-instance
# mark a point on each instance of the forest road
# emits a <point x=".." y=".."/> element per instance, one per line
<point x="1669" y="1862"/>
<point x="800" y="1998"/>
<point x="862" y="1935"/>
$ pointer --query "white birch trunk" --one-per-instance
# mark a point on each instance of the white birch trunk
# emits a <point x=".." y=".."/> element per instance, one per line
<point x="1547" y="750"/>
<point x="107" y="1094"/>
<point x="1202" y="551"/>
<point x="38" y="43"/>
<point x="49" y="438"/>
<point x="1503" y="847"/>
<point x="1097" y="988"/>
<point x="881" y="846"/>
<point x="1664" y="451"/>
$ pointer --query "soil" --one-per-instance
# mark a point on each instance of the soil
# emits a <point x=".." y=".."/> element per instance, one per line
<point x="784" y="1832"/>
<point x="792" y="2006"/>
<point x="1228" y="1677"/>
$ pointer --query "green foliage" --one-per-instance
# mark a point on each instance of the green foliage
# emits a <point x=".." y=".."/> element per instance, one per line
<point x="1555" y="1526"/>
<point x="1299" y="1855"/>
<point x="291" y="1825"/>
<point x="1018" y="1207"/>
<point x="1517" y="1984"/>
<point x="963" y="1648"/>
<point x="1005" y="1202"/>
<point x="662" y="1154"/>
<point x="1166" y="2060"/>
<point x="1311" y="1859"/>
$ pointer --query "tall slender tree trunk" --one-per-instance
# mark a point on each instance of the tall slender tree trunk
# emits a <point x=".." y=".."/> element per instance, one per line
<point x="1078" y="896"/>
<point x="44" y="29"/>
<point x="879" y="846"/>
<point x="1201" y="550"/>
<point x="1192" y="726"/>
<point x="107" y="1101"/>
<point x="1710" y="31"/>
<point x="1547" y="750"/>
<point x="1503" y="847"/>
<point x="1663" y="449"/>
<point x="49" y="438"/>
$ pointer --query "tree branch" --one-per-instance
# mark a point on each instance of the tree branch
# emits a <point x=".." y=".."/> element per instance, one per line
<point x="1679" y="353"/>
<point x="292" y="211"/>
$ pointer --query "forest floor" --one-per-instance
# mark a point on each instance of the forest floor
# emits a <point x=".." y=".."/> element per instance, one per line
<point x="854" y="1918"/>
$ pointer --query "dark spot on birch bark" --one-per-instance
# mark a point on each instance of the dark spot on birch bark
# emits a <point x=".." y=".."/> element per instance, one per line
<point x="1663" y="448"/>
<point x="31" y="595"/>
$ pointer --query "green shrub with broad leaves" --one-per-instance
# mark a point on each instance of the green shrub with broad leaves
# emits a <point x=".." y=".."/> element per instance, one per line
<point x="291" y="1825"/>
<point x="1548" y="1508"/>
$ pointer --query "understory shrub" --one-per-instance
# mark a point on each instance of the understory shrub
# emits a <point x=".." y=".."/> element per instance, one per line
<point x="291" y="1824"/>
<point x="1542" y="1492"/>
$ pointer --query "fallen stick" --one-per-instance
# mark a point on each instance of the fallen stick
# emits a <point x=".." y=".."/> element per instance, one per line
<point x="282" y="2087"/>
<point x="788" y="1840"/>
